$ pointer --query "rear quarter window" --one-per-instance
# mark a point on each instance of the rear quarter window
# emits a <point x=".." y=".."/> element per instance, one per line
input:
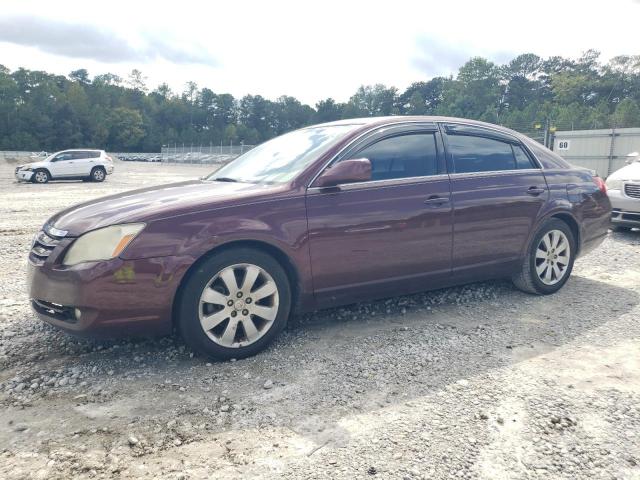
<point x="522" y="159"/>
<point x="546" y="157"/>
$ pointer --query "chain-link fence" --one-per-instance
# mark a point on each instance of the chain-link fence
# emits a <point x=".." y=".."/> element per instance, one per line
<point x="202" y="154"/>
<point x="544" y="130"/>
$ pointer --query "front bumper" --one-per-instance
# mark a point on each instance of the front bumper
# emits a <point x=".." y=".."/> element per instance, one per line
<point x="626" y="210"/>
<point x="24" y="175"/>
<point x="113" y="298"/>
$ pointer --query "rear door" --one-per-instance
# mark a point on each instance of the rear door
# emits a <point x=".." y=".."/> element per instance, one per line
<point x="82" y="162"/>
<point x="388" y="235"/>
<point x="498" y="190"/>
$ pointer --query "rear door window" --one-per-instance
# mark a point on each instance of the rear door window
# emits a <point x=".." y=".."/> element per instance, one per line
<point x="479" y="154"/>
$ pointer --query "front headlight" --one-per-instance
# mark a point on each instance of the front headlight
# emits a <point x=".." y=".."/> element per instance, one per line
<point x="102" y="244"/>
<point x="614" y="184"/>
<point x="26" y="169"/>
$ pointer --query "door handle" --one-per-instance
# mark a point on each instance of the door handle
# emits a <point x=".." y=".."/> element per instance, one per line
<point x="436" y="200"/>
<point x="535" y="191"/>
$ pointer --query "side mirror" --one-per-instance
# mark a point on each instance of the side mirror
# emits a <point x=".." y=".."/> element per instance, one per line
<point x="347" y="171"/>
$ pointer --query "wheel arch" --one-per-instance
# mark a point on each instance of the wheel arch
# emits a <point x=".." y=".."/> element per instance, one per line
<point x="573" y="225"/>
<point x="278" y="254"/>
<point x="563" y="215"/>
<point x="44" y="169"/>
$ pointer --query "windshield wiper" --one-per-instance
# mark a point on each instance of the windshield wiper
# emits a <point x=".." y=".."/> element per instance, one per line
<point x="225" y="179"/>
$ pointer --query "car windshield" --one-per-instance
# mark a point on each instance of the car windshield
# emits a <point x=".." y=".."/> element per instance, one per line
<point x="281" y="159"/>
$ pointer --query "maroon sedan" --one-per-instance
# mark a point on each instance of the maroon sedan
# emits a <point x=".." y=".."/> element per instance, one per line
<point x="326" y="215"/>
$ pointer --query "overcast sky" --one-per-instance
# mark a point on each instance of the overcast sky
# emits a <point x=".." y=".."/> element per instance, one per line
<point x="310" y="50"/>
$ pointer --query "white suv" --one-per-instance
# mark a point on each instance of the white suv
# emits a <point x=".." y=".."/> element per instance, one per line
<point x="91" y="165"/>
<point x="624" y="192"/>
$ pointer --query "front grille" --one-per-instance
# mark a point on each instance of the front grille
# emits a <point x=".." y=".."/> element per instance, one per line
<point x="53" y="310"/>
<point x="43" y="245"/>
<point x="632" y="190"/>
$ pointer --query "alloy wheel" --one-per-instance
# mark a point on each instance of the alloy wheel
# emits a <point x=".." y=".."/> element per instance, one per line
<point x="41" y="177"/>
<point x="98" y="175"/>
<point x="238" y="305"/>
<point x="552" y="257"/>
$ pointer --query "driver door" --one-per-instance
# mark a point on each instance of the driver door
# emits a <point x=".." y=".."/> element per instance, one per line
<point x="62" y="165"/>
<point x="386" y="236"/>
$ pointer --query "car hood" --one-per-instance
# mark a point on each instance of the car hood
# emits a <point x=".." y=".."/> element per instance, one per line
<point x="31" y="165"/>
<point x="630" y="172"/>
<point x="163" y="201"/>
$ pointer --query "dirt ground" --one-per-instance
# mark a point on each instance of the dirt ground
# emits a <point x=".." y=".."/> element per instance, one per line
<point x="480" y="381"/>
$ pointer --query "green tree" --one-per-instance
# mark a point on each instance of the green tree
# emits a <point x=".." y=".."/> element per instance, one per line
<point x="375" y="100"/>
<point x="627" y="114"/>
<point x="416" y="104"/>
<point x="39" y="110"/>
<point x="80" y="76"/>
<point x="328" y="110"/>
<point x="125" y="128"/>
<point x="137" y="81"/>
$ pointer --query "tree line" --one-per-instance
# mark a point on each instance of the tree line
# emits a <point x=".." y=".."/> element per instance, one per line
<point x="43" y="111"/>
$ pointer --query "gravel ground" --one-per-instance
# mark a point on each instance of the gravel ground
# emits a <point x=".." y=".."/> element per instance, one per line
<point x="480" y="381"/>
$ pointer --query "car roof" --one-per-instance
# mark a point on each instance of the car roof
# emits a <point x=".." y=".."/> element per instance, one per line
<point x="82" y="150"/>
<point x="377" y="121"/>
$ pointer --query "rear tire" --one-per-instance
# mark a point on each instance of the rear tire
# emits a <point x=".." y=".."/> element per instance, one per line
<point x="234" y="304"/>
<point x="547" y="264"/>
<point x="41" y="176"/>
<point x="98" y="174"/>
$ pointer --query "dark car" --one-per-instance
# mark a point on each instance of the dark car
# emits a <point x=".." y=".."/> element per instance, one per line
<point x="323" y="216"/>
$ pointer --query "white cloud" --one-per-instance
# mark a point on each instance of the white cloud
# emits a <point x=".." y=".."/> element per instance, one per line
<point x="307" y="50"/>
<point x="95" y="42"/>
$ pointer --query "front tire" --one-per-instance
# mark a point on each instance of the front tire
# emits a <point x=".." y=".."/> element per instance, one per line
<point x="549" y="259"/>
<point x="41" y="176"/>
<point x="234" y="304"/>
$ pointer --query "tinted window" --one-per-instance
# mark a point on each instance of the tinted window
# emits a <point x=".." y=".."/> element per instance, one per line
<point x="86" y="154"/>
<point x="61" y="157"/>
<point x="522" y="159"/>
<point x="479" y="154"/>
<point x="411" y="155"/>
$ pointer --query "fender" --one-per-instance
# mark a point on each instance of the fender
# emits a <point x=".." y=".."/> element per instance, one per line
<point x="554" y="208"/>
<point x="45" y="169"/>
<point x="282" y="229"/>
